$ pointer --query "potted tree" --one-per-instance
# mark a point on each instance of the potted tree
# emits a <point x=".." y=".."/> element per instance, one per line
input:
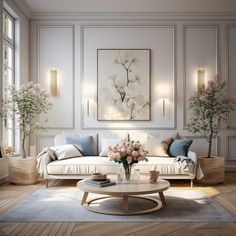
<point x="210" y="108"/>
<point x="24" y="105"/>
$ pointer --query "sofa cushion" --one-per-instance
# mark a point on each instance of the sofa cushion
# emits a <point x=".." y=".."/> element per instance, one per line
<point x="179" y="147"/>
<point x="83" y="165"/>
<point x="60" y="139"/>
<point x="158" y="146"/>
<point x="84" y="144"/>
<point x="66" y="151"/>
<point x="87" y="166"/>
<point x="106" y="142"/>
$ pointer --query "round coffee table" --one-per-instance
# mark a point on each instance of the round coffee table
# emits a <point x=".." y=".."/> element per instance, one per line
<point x="125" y="191"/>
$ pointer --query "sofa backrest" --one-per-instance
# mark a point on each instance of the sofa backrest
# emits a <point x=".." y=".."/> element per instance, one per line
<point x="143" y="136"/>
<point x="110" y="135"/>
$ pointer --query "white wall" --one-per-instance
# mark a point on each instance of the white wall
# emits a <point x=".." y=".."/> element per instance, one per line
<point x="178" y="48"/>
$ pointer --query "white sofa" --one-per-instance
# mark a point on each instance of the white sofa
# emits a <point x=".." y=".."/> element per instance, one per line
<point x="81" y="167"/>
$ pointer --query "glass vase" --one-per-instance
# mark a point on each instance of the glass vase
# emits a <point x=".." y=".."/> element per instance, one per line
<point x="127" y="173"/>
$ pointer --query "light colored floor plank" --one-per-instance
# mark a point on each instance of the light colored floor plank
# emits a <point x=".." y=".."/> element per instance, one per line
<point x="32" y="230"/>
<point x="40" y="229"/>
<point x="24" y="231"/>
<point x="47" y="229"/>
<point x="55" y="228"/>
<point x="70" y="229"/>
<point x="110" y="228"/>
<point x="18" y="229"/>
<point x="62" y="229"/>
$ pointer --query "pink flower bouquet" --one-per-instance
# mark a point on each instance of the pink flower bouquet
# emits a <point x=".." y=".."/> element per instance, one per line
<point x="127" y="153"/>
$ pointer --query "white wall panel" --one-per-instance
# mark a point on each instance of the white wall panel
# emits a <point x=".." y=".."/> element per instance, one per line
<point x="45" y="141"/>
<point x="231" y="68"/>
<point x="56" y="51"/>
<point x="200" y="51"/>
<point x="230" y="148"/>
<point x="200" y="146"/>
<point x="160" y="40"/>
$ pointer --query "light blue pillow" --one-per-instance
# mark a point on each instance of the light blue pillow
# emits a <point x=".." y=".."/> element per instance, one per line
<point x="84" y="144"/>
<point x="179" y="147"/>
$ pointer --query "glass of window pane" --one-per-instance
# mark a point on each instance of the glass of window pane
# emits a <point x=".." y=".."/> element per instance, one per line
<point x="8" y="26"/>
<point x="10" y="77"/>
<point x="9" y="57"/>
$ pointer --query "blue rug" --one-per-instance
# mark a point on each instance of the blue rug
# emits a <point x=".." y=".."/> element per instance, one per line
<point x="63" y="204"/>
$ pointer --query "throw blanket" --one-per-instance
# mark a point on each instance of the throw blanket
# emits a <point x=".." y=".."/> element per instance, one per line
<point x="41" y="164"/>
<point x="184" y="163"/>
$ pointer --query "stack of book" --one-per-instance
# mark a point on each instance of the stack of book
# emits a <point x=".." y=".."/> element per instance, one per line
<point x="100" y="183"/>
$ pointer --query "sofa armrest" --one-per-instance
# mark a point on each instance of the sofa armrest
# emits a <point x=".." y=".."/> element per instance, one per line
<point x="193" y="157"/>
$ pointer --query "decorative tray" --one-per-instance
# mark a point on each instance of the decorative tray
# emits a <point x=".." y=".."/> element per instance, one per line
<point x="99" y="176"/>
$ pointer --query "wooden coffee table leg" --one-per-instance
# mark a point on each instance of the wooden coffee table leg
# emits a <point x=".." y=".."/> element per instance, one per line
<point x="162" y="198"/>
<point x="84" y="198"/>
<point x="125" y="203"/>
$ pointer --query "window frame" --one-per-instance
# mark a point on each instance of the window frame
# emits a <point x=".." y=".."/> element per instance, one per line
<point x="7" y="42"/>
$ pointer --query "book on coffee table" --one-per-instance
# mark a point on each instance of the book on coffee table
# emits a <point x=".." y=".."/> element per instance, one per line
<point x="100" y="183"/>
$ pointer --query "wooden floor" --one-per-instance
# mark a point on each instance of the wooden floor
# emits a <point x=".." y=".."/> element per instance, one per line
<point x="225" y="194"/>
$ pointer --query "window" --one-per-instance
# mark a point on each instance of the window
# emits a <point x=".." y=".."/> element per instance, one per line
<point x="8" y="73"/>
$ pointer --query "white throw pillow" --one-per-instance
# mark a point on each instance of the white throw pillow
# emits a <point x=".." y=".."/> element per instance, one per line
<point x="106" y="142"/>
<point x="155" y="147"/>
<point x="66" y="151"/>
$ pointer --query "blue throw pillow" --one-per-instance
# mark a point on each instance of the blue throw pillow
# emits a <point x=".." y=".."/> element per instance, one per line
<point x="179" y="147"/>
<point x="84" y="144"/>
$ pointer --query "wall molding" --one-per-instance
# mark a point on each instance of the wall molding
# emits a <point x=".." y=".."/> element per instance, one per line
<point x="40" y="26"/>
<point x="24" y="7"/>
<point x="133" y="15"/>
<point x="217" y="140"/>
<point x="227" y="72"/>
<point x="185" y="27"/>
<point x="39" y="137"/>
<point x="82" y="123"/>
<point x="227" y="146"/>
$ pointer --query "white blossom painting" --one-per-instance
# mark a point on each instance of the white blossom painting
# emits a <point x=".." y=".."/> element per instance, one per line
<point x="123" y="84"/>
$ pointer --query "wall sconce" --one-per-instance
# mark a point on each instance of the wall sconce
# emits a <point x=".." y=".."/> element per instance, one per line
<point x="164" y="95"/>
<point x="87" y="105"/>
<point x="200" y="79"/>
<point x="53" y="82"/>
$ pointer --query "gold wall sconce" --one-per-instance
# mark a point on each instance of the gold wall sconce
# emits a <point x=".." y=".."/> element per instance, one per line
<point x="200" y="80"/>
<point x="53" y="82"/>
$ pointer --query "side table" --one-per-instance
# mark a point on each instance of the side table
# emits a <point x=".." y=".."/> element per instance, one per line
<point x="22" y="170"/>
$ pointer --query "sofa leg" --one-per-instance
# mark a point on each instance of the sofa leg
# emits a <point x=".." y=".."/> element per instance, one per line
<point x="191" y="183"/>
<point x="46" y="183"/>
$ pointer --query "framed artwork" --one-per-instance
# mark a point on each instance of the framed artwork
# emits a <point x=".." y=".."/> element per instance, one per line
<point x="123" y="84"/>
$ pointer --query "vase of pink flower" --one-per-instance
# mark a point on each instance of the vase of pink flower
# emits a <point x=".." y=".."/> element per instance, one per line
<point x="127" y="154"/>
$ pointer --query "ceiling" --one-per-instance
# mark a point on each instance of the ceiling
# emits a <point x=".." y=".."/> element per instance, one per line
<point x="66" y="6"/>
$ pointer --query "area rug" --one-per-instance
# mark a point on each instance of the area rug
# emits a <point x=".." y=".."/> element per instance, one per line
<point x="63" y="204"/>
